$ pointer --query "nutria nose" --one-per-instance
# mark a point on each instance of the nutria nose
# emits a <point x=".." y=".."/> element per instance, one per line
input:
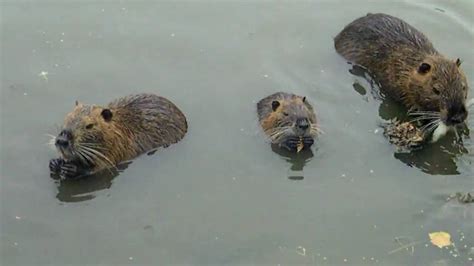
<point x="62" y="140"/>
<point x="457" y="116"/>
<point x="62" y="143"/>
<point x="302" y="123"/>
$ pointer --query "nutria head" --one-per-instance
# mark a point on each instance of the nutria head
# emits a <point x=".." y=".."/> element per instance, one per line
<point x="82" y="135"/>
<point x="439" y="86"/>
<point x="290" y="121"/>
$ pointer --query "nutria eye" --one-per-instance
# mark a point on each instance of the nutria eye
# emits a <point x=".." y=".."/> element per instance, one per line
<point x="275" y="105"/>
<point x="89" y="126"/>
<point x="424" y="68"/>
<point x="107" y="115"/>
<point x="436" y="91"/>
<point x="285" y="114"/>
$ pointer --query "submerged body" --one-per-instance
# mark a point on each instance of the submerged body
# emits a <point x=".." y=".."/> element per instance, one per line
<point x="289" y="120"/>
<point x="95" y="138"/>
<point x="407" y="67"/>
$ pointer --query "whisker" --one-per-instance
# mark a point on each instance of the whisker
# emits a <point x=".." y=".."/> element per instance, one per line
<point x="97" y="146"/>
<point x="98" y="153"/>
<point x="428" y="128"/>
<point x="424" y="113"/>
<point x="317" y="129"/>
<point x="429" y="124"/>
<point x="421" y="118"/>
<point x="84" y="157"/>
<point x="100" y="162"/>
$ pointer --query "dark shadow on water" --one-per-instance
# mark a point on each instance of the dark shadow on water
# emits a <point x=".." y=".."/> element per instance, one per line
<point x="434" y="158"/>
<point x="297" y="160"/>
<point x="438" y="158"/>
<point x="86" y="188"/>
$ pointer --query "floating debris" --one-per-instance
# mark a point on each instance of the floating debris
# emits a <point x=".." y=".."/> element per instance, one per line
<point x="462" y="197"/>
<point x="440" y="239"/>
<point x="301" y="250"/>
<point x="44" y="75"/>
<point x="404" y="135"/>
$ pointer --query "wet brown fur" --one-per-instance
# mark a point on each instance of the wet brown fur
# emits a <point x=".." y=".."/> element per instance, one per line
<point x="392" y="52"/>
<point x="139" y="123"/>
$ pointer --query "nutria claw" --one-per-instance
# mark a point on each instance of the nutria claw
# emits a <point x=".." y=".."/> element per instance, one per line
<point x="55" y="165"/>
<point x="292" y="143"/>
<point x="308" y="141"/>
<point x="68" y="170"/>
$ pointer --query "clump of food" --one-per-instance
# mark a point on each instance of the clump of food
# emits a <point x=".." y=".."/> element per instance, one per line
<point x="404" y="135"/>
<point x="300" y="145"/>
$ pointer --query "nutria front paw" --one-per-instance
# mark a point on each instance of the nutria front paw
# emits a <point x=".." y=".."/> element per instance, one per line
<point x="55" y="165"/>
<point x="292" y="143"/>
<point x="308" y="141"/>
<point x="69" y="171"/>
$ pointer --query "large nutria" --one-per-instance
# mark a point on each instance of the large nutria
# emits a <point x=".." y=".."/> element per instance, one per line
<point x="95" y="138"/>
<point x="407" y="67"/>
<point x="289" y="120"/>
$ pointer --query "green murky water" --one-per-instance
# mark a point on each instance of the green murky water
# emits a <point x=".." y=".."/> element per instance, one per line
<point x="222" y="196"/>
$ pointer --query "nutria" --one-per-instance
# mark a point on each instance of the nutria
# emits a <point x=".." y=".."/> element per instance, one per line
<point x="407" y="67"/>
<point x="289" y="120"/>
<point x="94" y="138"/>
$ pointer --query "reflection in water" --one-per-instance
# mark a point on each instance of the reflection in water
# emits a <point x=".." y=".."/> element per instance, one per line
<point x="438" y="158"/>
<point x="297" y="160"/>
<point x="84" y="189"/>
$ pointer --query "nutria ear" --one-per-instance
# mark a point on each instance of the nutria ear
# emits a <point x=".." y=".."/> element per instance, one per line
<point x="106" y="114"/>
<point x="458" y="62"/>
<point x="304" y="99"/>
<point x="424" y="68"/>
<point x="275" y="105"/>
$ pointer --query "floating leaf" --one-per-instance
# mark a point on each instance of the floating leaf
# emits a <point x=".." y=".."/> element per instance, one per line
<point x="300" y="145"/>
<point x="440" y="239"/>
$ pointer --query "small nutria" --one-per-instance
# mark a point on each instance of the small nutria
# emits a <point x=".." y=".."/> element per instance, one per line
<point x="289" y="120"/>
<point x="94" y="138"/>
<point x="407" y="66"/>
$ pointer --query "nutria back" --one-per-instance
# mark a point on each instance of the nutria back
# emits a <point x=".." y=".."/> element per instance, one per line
<point x="153" y="121"/>
<point x="406" y="65"/>
<point x="383" y="34"/>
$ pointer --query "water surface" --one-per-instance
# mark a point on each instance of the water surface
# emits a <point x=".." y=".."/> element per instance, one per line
<point x="223" y="196"/>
